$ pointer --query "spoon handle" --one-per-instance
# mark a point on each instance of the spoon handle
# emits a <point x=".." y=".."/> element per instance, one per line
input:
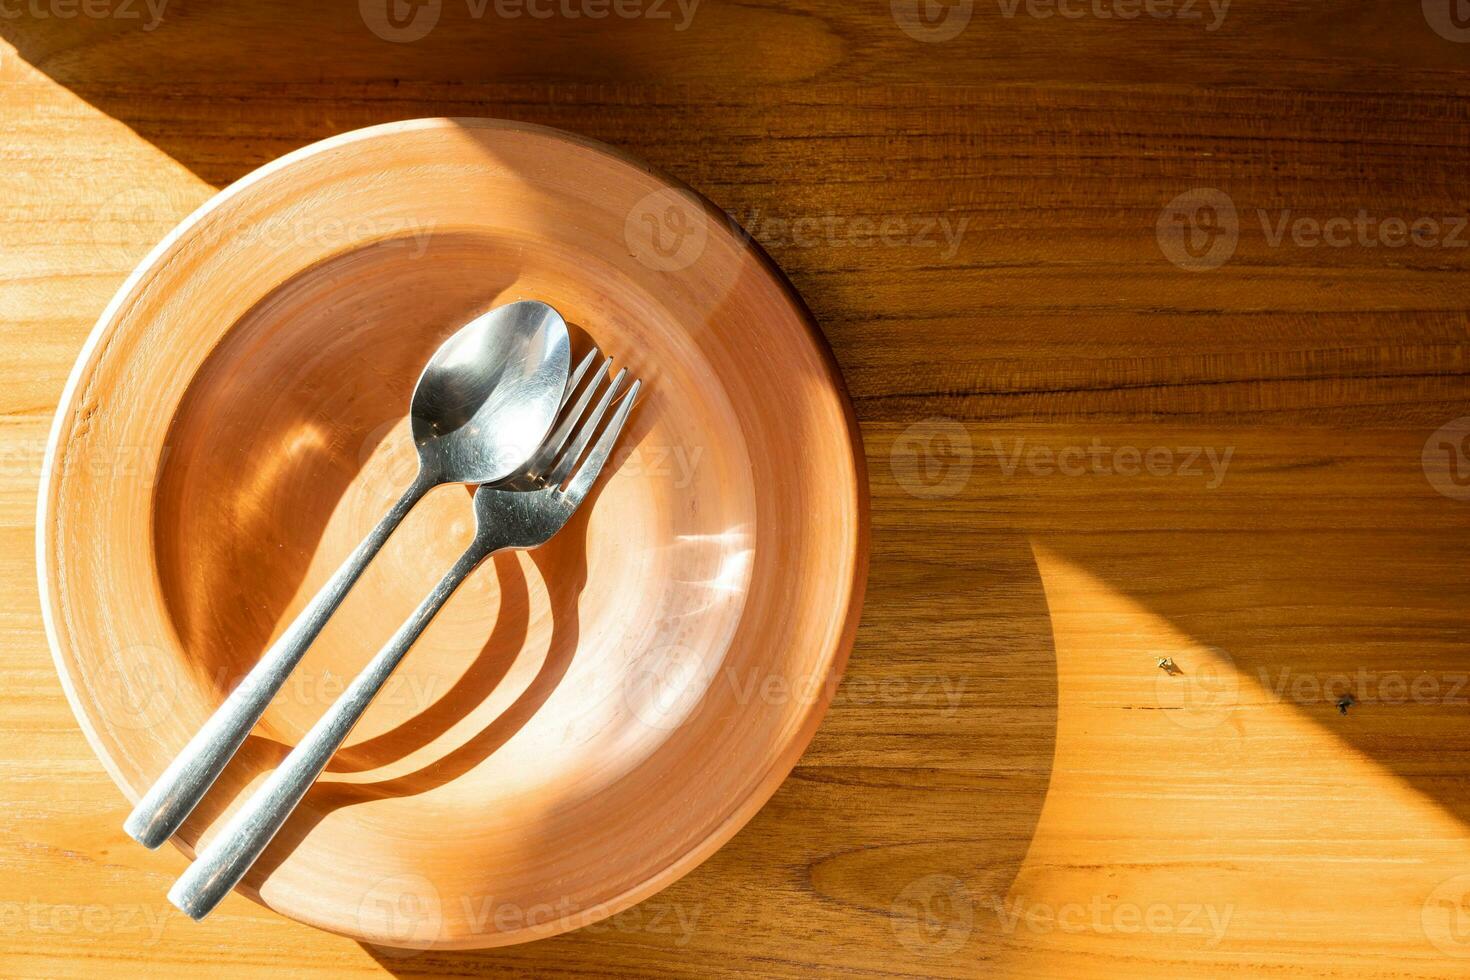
<point x="171" y="799"/>
<point x="221" y="865"/>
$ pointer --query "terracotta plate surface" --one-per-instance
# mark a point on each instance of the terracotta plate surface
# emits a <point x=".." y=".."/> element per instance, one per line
<point x="582" y="724"/>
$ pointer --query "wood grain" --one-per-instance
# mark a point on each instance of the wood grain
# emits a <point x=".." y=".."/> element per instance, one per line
<point x="1007" y="783"/>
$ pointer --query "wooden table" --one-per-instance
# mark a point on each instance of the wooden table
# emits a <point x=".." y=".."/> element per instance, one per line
<point x="1153" y="324"/>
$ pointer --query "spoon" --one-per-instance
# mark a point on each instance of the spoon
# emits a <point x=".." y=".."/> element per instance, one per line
<point x="481" y="408"/>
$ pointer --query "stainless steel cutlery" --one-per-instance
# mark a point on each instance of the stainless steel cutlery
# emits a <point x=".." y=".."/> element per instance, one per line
<point x="480" y="415"/>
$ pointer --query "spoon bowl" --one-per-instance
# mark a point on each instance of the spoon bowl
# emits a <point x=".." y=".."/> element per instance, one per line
<point x="487" y="397"/>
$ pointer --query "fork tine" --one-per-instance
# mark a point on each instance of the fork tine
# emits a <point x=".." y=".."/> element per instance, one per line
<point x="587" y="474"/>
<point x="576" y="377"/>
<point x="584" y="433"/>
<point x="546" y="455"/>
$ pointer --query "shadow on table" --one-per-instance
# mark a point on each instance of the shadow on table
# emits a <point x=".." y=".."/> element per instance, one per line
<point x="911" y="812"/>
<point x="224" y="91"/>
<point x="942" y="796"/>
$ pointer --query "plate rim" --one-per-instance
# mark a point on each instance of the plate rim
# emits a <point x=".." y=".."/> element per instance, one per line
<point x="836" y="656"/>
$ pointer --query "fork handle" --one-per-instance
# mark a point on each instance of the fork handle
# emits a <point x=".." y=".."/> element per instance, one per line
<point x="222" y="864"/>
<point x="176" y="793"/>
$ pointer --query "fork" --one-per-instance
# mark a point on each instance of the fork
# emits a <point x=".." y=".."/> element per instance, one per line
<point x="522" y="514"/>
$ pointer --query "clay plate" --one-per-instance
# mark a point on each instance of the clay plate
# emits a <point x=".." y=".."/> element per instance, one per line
<point x="582" y="724"/>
